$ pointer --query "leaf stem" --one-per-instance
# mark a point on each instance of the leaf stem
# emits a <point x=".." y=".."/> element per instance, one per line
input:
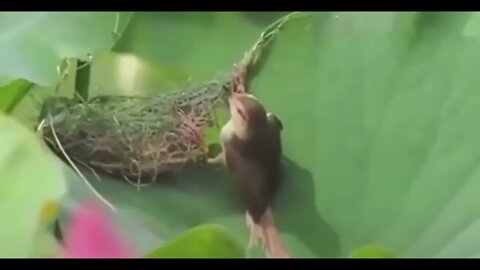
<point x="82" y="80"/>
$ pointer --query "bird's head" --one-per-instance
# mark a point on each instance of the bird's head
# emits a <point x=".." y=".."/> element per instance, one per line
<point x="248" y="114"/>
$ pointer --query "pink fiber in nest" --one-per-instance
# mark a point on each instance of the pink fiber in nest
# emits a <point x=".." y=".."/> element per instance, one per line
<point x="92" y="235"/>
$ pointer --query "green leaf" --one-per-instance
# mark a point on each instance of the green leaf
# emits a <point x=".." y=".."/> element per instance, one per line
<point x="12" y="94"/>
<point x="380" y="132"/>
<point x="473" y="25"/>
<point x="201" y="195"/>
<point x="234" y="33"/>
<point x="381" y="109"/>
<point x="34" y="44"/>
<point x="372" y="251"/>
<point x="162" y="212"/>
<point x="45" y="246"/>
<point x="29" y="177"/>
<point x="205" y="241"/>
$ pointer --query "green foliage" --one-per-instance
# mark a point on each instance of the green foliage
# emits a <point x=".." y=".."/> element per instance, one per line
<point x="34" y="44"/>
<point x="372" y="251"/>
<point x="381" y="140"/>
<point x="29" y="177"/>
<point x="379" y="112"/>
<point x="175" y="40"/>
<point x="205" y="241"/>
<point x="200" y="196"/>
<point x="381" y="109"/>
<point x="13" y="93"/>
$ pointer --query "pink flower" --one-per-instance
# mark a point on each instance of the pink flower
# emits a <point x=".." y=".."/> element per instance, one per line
<point x="92" y="235"/>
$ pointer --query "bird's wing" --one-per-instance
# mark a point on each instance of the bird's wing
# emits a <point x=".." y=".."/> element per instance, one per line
<point x="249" y="178"/>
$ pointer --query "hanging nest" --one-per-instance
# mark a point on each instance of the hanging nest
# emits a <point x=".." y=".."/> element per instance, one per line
<point x="137" y="138"/>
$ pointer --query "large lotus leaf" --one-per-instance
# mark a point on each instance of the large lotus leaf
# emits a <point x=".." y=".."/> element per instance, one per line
<point x="380" y="139"/>
<point x="175" y="40"/>
<point x="159" y="213"/>
<point x="162" y="50"/>
<point x="34" y="44"/>
<point x="381" y="109"/>
<point x="31" y="181"/>
<point x="148" y="236"/>
<point x="204" y="195"/>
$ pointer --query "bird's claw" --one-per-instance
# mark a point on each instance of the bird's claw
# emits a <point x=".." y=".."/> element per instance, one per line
<point x="256" y="236"/>
<point x="217" y="160"/>
<point x="238" y="79"/>
<point x="251" y="228"/>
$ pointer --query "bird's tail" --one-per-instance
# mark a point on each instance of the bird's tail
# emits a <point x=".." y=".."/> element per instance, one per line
<point x="273" y="244"/>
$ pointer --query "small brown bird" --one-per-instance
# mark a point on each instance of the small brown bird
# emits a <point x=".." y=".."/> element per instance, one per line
<point x="251" y="150"/>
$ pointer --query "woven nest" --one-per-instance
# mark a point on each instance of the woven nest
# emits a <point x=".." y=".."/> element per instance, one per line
<point x="139" y="139"/>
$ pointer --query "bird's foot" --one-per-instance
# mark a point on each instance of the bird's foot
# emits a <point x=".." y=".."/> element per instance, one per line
<point x="256" y="233"/>
<point x="238" y="79"/>
<point x="217" y="160"/>
<point x="251" y="228"/>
